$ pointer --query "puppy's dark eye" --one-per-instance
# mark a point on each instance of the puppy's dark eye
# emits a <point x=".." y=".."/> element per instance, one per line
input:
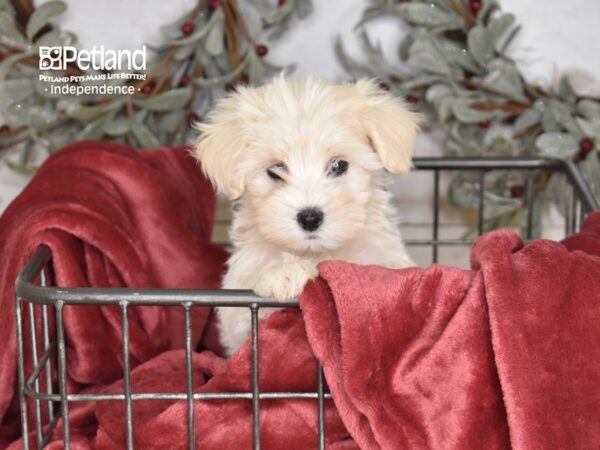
<point x="275" y="170"/>
<point x="337" y="167"/>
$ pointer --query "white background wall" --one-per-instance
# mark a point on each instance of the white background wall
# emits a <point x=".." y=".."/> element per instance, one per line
<point x="558" y="37"/>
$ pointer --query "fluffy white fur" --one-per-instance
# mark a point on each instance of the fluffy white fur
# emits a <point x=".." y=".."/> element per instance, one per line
<point x="305" y="125"/>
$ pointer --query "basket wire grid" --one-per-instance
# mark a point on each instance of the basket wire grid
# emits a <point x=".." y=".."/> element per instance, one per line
<point x="39" y="298"/>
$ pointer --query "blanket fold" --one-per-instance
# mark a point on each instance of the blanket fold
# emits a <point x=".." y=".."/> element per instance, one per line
<point x="112" y="217"/>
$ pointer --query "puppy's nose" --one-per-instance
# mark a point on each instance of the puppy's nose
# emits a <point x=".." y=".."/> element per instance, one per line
<point x="310" y="218"/>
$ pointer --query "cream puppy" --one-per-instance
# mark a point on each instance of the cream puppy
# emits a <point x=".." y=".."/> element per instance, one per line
<point x="306" y="165"/>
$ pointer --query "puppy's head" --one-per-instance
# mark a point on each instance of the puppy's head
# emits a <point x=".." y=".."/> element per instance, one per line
<point x="306" y="156"/>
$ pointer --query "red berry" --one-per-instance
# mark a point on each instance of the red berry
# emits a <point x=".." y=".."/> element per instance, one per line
<point x="192" y="117"/>
<point x="213" y="4"/>
<point x="4" y="129"/>
<point x="262" y="50"/>
<point x="412" y="99"/>
<point x="517" y="191"/>
<point x="384" y="86"/>
<point x="475" y="6"/>
<point x="148" y="88"/>
<point x="184" y="81"/>
<point x="586" y="145"/>
<point x="230" y="88"/>
<point x="484" y="124"/>
<point x="281" y="2"/>
<point x="244" y="79"/>
<point x="187" y="28"/>
<point x="2" y="56"/>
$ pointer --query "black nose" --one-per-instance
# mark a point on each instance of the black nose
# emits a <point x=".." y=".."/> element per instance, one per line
<point x="310" y="218"/>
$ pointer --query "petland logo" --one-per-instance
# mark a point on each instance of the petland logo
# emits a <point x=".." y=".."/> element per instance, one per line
<point x="98" y="58"/>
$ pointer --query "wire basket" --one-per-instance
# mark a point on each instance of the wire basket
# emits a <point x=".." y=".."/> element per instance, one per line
<point x="42" y="301"/>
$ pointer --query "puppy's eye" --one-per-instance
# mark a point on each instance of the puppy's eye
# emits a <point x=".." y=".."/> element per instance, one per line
<point x="337" y="167"/>
<point x="275" y="170"/>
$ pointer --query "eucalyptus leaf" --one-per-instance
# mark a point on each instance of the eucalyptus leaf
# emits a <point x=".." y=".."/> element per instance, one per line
<point x="501" y="146"/>
<point x="304" y="8"/>
<point x="562" y="116"/>
<point x="252" y="17"/>
<point x="504" y="77"/>
<point x="354" y="68"/>
<point x="226" y="78"/>
<point x="526" y="120"/>
<point x="437" y="92"/>
<point x="499" y="26"/>
<point x="463" y="112"/>
<point x="566" y="91"/>
<point x="10" y="34"/>
<point x="549" y="122"/>
<point x="590" y="109"/>
<point x="486" y="7"/>
<point x="444" y="108"/>
<point x="185" y="51"/>
<point x="480" y="44"/>
<point x="214" y="43"/>
<point x="203" y="30"/>
<point x="87" y="114"/>
<point x="455" y="54"/>
<point x="42" y="118"/>
<point x="56" y="38"/>
<point x="405" y="46"/>
<point x="42" y="15"/>
<point x="421" y="81"/>
<point x="61" y="136"/>
<point x="424" y="54"/>
<point x="93" y="130"/>
<point x="375" y="57"/>
<point x="590" y="128"/>
<point x="278" y="15"/>
<point x="465" y="135"/>
<point x="166" y="101"/>
<point x="10" y="61"/>
<point x="463" y="193"/>
<point x="426" y="15"/>
<point x="372" y="13"/>
<point x="14" y="90"/>
<point x="557" y="145"/>
<point x="256" y="69"/>
<point x="143" y="135"/>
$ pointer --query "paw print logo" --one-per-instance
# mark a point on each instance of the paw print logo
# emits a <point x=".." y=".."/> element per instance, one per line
<point x="50" y="58"/>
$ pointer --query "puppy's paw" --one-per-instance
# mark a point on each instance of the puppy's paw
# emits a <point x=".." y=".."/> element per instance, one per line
<point x="284" y="280"/>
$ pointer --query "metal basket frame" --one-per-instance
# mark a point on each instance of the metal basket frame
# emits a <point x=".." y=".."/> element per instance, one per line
<point x="28" y="294"/>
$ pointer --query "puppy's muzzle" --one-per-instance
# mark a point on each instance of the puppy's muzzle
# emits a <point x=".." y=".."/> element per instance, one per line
<point x="310" y="219"/>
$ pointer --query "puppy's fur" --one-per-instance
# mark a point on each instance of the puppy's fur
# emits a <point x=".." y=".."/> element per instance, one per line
<point x="273" y="151"/>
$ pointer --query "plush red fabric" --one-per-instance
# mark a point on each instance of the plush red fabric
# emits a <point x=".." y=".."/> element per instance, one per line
<point x="505" y="355"/>
<point x="113" y="217"/>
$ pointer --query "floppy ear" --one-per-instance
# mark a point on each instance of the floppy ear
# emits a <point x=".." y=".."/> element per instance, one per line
<point x="220" y="147"/>
<point x="391" y="128"/>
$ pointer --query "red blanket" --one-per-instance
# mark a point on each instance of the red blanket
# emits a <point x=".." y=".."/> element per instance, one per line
<point x="506" y="355"/>
<point x="112" y="217"/>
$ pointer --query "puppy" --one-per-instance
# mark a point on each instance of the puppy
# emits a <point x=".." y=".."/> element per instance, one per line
<point x="305" y="164"/>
